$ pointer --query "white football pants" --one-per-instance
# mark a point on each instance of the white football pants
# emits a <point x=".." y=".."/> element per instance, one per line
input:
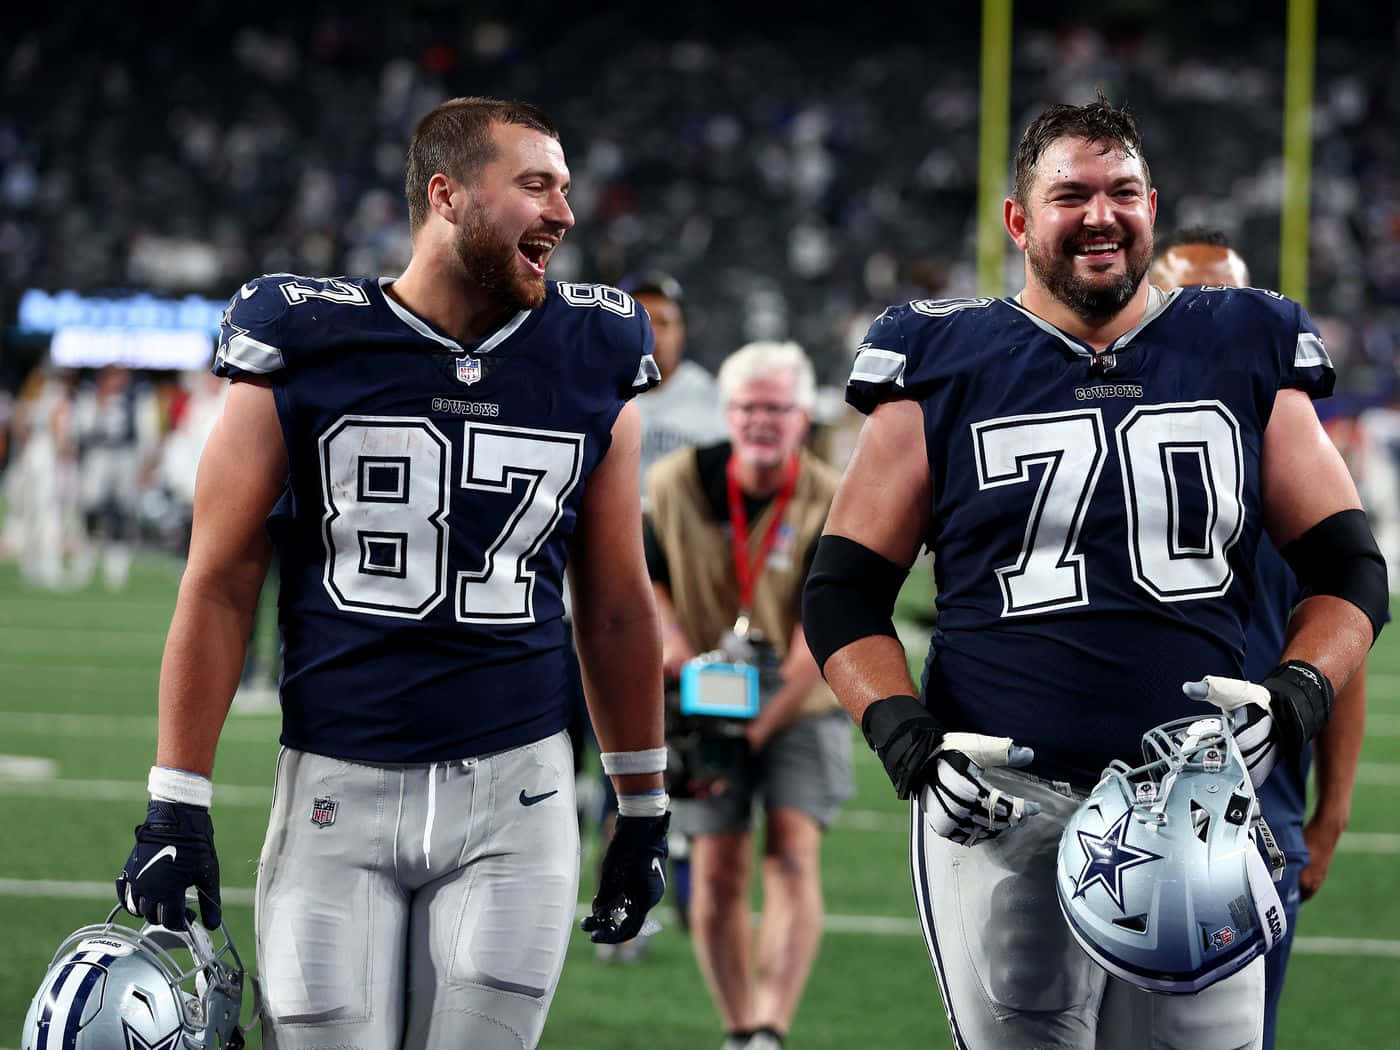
<point x="416" y="906"/>
<point x="1011" y="973"/>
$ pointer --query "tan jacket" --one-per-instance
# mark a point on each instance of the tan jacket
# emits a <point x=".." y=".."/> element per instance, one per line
<point x="700" y="561"/>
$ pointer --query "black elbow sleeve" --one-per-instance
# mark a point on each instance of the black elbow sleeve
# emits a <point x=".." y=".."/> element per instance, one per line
<point x="1339" y="556"/>
<point x="849" y="595"/>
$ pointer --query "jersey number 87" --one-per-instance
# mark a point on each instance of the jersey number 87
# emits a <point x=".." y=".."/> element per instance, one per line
<point x="386" y="483"/>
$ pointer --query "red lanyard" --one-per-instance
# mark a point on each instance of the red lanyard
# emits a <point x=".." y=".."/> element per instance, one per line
<point x="747" y="572"/>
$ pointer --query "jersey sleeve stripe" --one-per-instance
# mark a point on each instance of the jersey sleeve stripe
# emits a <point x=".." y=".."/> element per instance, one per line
<point x="244" y="352"/>
<point x="1310" y="353"/>
<point x="648" y="375"/>
<point x="873" y="365"/>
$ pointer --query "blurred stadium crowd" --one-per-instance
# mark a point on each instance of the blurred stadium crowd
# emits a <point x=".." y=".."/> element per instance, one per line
<point x="796" y="177"/>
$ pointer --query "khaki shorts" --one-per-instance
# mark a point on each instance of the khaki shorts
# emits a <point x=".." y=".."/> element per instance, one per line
<point x="806" y="767"/>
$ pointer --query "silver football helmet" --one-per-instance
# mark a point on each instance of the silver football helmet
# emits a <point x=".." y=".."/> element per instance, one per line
<point x="1158" y="873"/>
<point x="114" y="987"/>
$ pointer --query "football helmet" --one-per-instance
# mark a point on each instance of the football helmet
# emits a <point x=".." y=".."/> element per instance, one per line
<point x="114" y="987"/>
<point x="1158" y="872"/>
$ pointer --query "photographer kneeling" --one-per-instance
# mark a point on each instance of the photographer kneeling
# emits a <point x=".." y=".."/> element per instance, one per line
<point x="730" y="530"/>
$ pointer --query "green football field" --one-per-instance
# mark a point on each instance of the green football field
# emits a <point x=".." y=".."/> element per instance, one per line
<point x="77" y="726"/>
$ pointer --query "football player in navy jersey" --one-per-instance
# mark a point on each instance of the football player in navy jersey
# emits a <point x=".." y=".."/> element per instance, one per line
<point x="1204" y="257"/>
<point x="425" y="453"/>
<point x="1092" y="463"/>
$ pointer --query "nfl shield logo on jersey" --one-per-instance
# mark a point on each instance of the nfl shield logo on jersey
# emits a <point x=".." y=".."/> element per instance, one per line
<point x="323" y="811"/>
<point x="468" y="370"/>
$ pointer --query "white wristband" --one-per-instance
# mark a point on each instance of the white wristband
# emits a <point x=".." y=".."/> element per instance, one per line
<point x="624" y="763"/>
<point x="644" y="804"/>
<point x="180" y="785"/>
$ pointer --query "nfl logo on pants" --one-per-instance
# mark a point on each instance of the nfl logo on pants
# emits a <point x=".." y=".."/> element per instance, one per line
<point x="323" y="811"/>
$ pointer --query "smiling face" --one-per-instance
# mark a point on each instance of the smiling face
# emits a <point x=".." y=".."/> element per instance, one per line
<point x="516" y="216"/>
<point x="1086" y="226"/>
<point x="765" y="422"/>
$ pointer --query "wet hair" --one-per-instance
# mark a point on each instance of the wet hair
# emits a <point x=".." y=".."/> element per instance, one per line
<point x="1212" y="238"/>
<point x="454" y="139"/>
<point x="1098" y="121"/>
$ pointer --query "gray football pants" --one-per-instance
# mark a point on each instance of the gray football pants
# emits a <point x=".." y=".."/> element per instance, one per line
<point x="416" y="906"/>
<point x="1011" y="973"/>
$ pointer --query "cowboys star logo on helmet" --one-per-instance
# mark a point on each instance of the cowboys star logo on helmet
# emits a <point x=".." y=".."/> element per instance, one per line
<point x="1165" y="888"/>
<point x="1106" y="857"/>
<point x="114" y="987"/>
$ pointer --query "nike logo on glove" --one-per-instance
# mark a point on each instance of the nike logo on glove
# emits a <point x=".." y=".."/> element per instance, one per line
<point x="530" y="800"/>
<point x="168" y="851"/>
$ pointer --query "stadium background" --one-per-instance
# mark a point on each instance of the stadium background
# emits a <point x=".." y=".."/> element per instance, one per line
<point x="796" y="174"/>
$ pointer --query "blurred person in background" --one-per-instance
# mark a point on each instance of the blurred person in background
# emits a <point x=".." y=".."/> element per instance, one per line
<point x="730" y="531"/>
<point x="1199" y="256"/>
<point x="42" y="526"/>
<point x="683" y="409"/>
<point x="190" y="426"/>
<point x="116" y="427"/>
<point x="425" y="453"/>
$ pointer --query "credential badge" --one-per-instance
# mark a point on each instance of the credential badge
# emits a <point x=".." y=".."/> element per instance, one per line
<point x="468" y="370"/>
<point x="323" y="811"/>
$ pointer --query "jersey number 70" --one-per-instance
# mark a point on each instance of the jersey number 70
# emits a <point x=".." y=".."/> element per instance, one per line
<point x="387" y="481"/>
<point x="1160" y="447"/>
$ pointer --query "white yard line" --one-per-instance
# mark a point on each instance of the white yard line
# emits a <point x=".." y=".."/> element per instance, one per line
<point x="80" y="635"/>
<point x="141" y="727"/>
<point x="122" y="790"/>
<point x="1378" y="774"/>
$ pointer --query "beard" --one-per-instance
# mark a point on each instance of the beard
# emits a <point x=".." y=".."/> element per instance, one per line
<point x="1091" y="301"/>
<point x="491" y="263"/>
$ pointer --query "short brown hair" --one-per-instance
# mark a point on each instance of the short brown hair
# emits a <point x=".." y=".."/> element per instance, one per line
<point x="1099" y="121"/>
<point x="455" y="139"/>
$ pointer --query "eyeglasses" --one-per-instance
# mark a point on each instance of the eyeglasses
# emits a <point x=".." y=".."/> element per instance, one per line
<point x="760" y="408"/>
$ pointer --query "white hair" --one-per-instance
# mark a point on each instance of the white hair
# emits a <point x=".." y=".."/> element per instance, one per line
<point x="761" y="359"/>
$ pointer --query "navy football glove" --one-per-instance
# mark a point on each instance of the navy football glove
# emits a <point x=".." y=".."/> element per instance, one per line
<point x="174" y="850"/>
<point x="918" y="755"/>
<point x="633" y="879"/>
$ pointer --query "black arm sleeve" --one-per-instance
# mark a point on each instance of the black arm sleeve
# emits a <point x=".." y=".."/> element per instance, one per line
<point x="1339" y="556"/>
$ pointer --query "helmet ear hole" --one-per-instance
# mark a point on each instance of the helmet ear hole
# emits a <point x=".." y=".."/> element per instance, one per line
<point x="1200" y="821"/>
<point x="1136" y="923"/>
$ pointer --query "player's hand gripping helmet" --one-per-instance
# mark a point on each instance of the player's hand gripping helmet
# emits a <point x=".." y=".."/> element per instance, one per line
<point x="1158" y="873"/>
<point x="112" y="987"/>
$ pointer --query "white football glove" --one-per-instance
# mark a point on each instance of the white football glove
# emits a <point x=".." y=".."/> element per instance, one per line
<point x="959" y="804"/>
<point x="1249" y="706"/>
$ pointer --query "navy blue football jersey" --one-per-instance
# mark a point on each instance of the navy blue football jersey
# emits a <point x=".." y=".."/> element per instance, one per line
<point x="433" y="491"/>
<point x="1095" y="516"/>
